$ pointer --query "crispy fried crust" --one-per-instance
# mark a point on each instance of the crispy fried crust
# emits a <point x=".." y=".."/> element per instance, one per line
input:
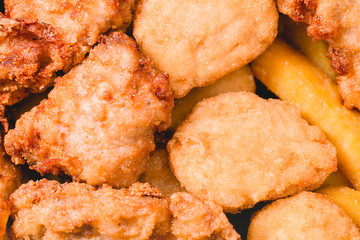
<point x="158" y="173"/>
<point x="50" y="210"/>
<point x="337" y="23"/>
<point x="178" y="38"/>
<point x="237" y="149"/>
<point x="98" y="122"/>
<point x="49" y="36"/>
<point x="197" y="219"/>
<point x="303" y="216"/>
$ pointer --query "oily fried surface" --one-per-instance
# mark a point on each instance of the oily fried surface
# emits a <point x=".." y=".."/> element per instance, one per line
<point x="4" y="216"/>
<point x="196" y="219"/>
<point x="158" y="173"/>
<point x="306" y="215"/>
<point x="337" y="22"/>
<point x="237" y="149"/>
<point x="50" y="36"/>
<point x="98" y="122"/>
<point x="50" y="210"/>
<point x="181" y="42"/>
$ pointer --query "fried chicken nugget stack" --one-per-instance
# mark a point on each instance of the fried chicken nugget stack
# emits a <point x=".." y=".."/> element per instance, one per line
<point x="98" y="122"/>
<point x="46" y="37"/>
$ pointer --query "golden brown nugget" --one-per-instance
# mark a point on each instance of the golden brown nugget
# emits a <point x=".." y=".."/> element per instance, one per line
<point x="304" y="216"/>
<point x="51" y="36"/>
<point x="158" y="173"/>
<point x="337" y="22"/>
<point x="50" y="210"/>
<point x="178" y="38"/>
<point x="98" y="122"/>
<point x="4" y="216"/>
<point x="197" y="219"/>
<point x="237" y="149"/>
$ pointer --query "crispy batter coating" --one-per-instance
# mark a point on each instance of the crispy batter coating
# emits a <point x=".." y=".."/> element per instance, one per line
<point x="237" y="149"/>
<point x="197" y="219"/>
<point x="306" y="215"/>
<point x="337" y="22"/>
<point x="98" y="122"/>
<point x="50" y="36"/>
<point x="4" y="216"/>
<point x="158" y="173"/>
<point x="178" y="38"/>
<point x="50" y="210"/>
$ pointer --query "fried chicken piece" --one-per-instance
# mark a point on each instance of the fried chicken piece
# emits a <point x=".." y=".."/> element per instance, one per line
<point x="158" y="173"/>
<point x="4" y="216"/>
<point x="238" y="149"/>
<point x="50" y="210"/>
<point x="178" y="38"/>
<point x="336" y="22"/>
<point x="98" y="122"/>
<point x="196" y="219"/>
<point x="50" y="36"/>
<point x="306" y="215"/>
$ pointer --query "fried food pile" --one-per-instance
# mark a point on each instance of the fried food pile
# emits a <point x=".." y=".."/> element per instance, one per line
<point x="151" y="119"/>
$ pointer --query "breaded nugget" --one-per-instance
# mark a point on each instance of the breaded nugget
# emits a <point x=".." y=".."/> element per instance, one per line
<point x="158" y="173"/>
<point x="98" y="122"/>
<point x="50" y="36"/>
<point x="338" y="23"/>
<point x="306" y="215"/>
<point x="50" y="210"/>
<point x="196" y="219"/>
<point x="4" y="216"/>
<point x="198" y="42"/>
<point x="238" y="149"/>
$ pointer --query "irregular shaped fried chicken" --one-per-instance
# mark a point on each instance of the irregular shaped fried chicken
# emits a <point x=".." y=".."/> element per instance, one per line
<point x="196" y="219"/>
<point x="50" y="210"/>
<point x="50" y="36"/>
<point x="337" y="22"/>
<point x="306" y="215"/>
<point x="158" y="173"/>
<point x="4" y="216"/>
<point x="98" y="122"/>
<point x="178" y="38"/>
<point x="238" y="149"/>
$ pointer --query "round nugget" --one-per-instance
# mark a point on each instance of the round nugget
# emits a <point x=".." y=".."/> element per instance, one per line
<point x="238" y="149"/>
<point x="197" y="42"/>
<point x="303" y="216"/>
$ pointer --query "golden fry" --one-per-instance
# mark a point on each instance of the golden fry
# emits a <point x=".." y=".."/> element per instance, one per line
<point x="236" y="81"/>
<point x="348" y="199"/>
<point x="292" y="77"/>
<point x="337" y="179"/>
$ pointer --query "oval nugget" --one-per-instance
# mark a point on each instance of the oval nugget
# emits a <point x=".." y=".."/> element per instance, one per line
<point x="238" y="149"/>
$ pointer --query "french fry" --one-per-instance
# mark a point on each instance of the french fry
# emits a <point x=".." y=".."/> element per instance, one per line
<point x="316" y="51"/>
<point x="346" y="198"/>
<point x="292" y="77"/>
<point x="238" y="80"/>
<point x="337" y="179"/>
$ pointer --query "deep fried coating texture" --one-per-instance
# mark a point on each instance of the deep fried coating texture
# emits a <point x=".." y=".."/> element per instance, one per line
<point x="4" y="216"/>
<point x="50" y="210"/>
<point x="98" y="122"/>
<point x="50" y="36"/>
<point x="304" y="216"/>
<point x="178" y="38"/>
<point x="158" y="173"/>
<point x="196" y="219"/>
<point x="237" y="149"/>
<point x="337" y="22"/>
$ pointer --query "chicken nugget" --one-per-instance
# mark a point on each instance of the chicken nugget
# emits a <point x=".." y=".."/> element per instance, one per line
<point x="197" y="219"/>
<point x="237" y="149"/>
<point x="198" y="42"/>
<point x="338" y="23"/>
<point x="158" y="173"/>
<point x="50" y="210"/>
<point x="98" y="122"/>
<point x="306" y="215"/>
